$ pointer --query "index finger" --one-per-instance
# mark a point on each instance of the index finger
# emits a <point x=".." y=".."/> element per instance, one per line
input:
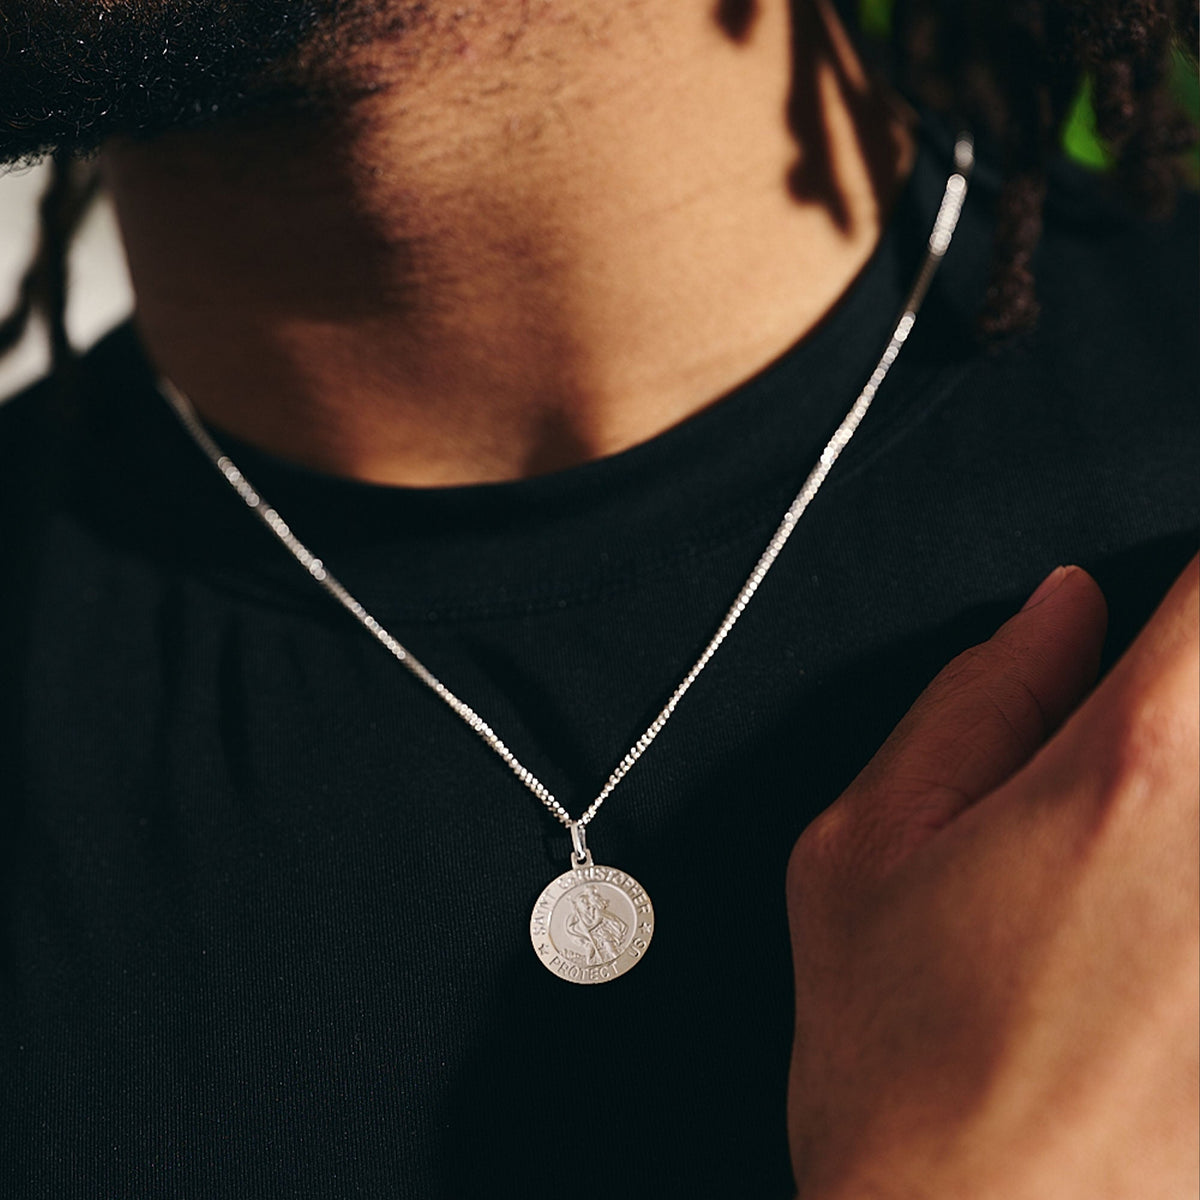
<point x="977" y="723"/>
<point x="1141" y="726"/>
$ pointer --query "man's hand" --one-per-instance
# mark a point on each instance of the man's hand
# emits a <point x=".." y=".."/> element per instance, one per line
<point x="995" y="929"/>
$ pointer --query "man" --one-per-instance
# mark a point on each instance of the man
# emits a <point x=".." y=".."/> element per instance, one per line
<point x="529" y="321"/>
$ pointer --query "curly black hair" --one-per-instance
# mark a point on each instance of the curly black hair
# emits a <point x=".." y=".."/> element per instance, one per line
<point x="1009" y="69"/>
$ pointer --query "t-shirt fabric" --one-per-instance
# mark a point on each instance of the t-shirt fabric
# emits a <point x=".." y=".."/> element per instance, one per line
<point x="264" y="900"/>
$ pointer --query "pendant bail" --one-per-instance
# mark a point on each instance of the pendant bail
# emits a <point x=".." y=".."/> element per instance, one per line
<point x="581" y="856"/>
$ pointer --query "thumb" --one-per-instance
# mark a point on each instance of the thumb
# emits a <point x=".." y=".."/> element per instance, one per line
<point x="977" y="723"/>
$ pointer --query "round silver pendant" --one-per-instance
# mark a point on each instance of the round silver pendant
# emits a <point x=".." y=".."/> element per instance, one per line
<point x="591" y="924"/>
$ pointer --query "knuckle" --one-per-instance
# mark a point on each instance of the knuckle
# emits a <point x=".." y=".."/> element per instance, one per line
<point x="1015" y="715"/>
<point x="966" y="667"/>
<point x="995" y="694"/>
<point x="1150" y="748"/>
<point x="814" y="857"/>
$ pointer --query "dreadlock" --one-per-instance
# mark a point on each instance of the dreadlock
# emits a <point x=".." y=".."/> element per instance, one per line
<point x="1011" y="69"/>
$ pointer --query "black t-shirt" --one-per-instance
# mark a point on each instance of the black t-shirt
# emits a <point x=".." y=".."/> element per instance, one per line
<point x="265" y="901"/>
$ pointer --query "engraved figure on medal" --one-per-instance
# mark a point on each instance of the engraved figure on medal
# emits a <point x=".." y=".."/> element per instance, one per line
<point x="592" y="923"/>
<point x="593" y="927"/>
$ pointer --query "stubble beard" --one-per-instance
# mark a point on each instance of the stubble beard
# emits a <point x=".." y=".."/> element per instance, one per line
<point x="74" y="74"/>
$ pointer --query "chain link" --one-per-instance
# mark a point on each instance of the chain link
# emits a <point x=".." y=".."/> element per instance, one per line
<point x="939" y="242"/>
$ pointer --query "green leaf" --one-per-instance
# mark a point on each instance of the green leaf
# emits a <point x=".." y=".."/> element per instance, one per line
<point x="1080" y="139"/>
<point x="875" y="17"/>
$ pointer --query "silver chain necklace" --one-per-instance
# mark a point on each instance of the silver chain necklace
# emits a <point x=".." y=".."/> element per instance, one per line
<point x="593" y="922"/>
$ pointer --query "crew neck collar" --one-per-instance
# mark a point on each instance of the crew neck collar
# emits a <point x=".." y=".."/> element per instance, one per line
<point x="428" y="553"/>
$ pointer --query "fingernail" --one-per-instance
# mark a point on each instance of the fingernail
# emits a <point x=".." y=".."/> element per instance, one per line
<point x="1047" y="587"/>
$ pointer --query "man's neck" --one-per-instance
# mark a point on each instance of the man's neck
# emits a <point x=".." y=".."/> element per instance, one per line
<point x="536" y="245"/>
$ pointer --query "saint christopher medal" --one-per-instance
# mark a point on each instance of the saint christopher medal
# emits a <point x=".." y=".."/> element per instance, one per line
<point x="592" y="923"/>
